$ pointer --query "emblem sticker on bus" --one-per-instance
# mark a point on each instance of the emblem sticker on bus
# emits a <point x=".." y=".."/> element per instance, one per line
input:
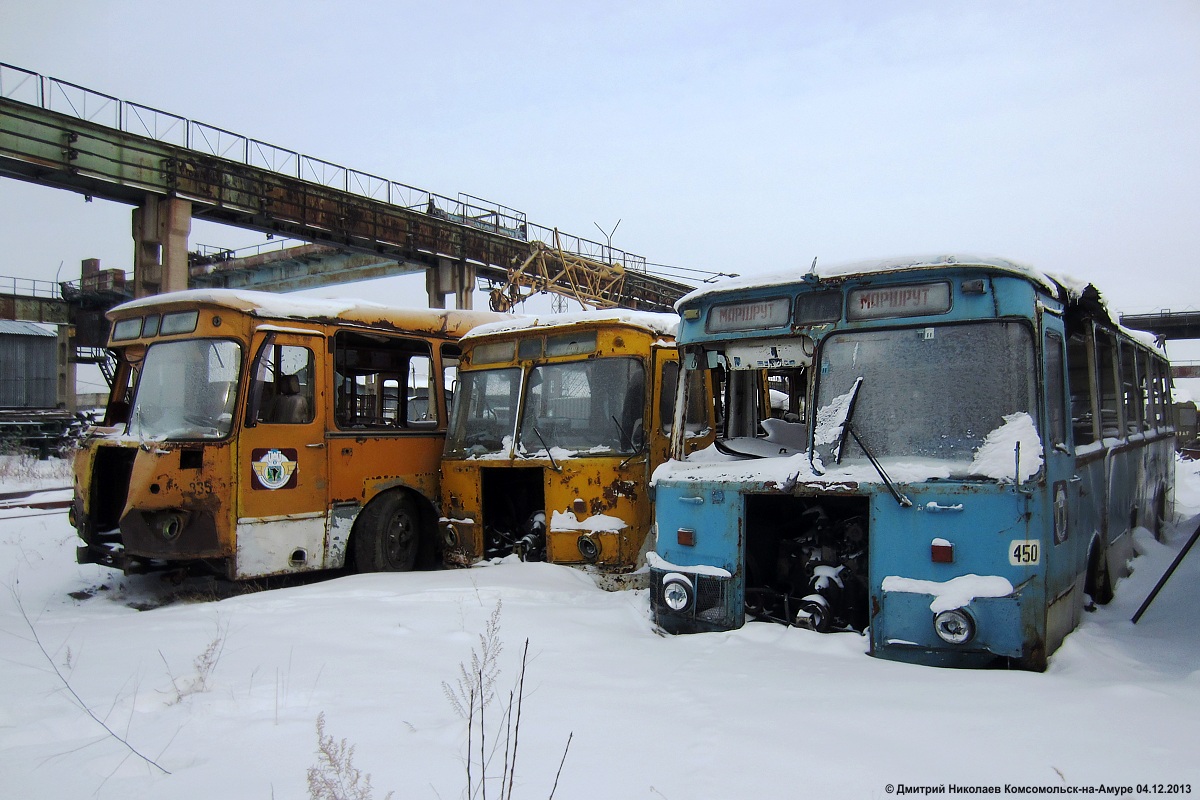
<point x="1024" y="552"/>
<point x="274" y="468"/>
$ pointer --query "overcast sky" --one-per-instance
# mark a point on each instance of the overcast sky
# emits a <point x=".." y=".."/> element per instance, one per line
<point x="740" y="137"/>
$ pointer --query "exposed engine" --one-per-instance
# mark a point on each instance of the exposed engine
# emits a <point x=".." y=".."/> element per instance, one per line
<point x="806" y="561"/>
<point x="528" y="540"/>
<point x="513" y="507"/>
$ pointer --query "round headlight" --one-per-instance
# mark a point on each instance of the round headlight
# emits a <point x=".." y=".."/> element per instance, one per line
<point x="954" y="626"/>
<point x="170" y="526"/>
<point x="589" y="548"/>
<point x="677" y="592"/>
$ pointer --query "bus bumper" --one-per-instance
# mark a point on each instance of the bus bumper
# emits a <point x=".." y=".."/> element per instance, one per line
<point x="906" y="630"/>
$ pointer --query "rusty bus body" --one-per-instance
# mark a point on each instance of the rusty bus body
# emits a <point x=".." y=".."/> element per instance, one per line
<point x="559" y="423"/>
<point x="965" y="449"/>
<point x="250" y="434"/>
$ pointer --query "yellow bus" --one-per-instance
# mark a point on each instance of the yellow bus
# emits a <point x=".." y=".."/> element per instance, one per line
<point x="252" y="434"/>
<point x="558" y="425"/>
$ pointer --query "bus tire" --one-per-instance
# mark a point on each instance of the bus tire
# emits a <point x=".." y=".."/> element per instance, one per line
<point x="388" y="535"/>
<point x="1097" y="584"/>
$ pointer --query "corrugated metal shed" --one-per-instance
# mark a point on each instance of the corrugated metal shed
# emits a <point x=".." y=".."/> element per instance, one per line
<point x="23" y="328"/>
<point x="28" y="365"/>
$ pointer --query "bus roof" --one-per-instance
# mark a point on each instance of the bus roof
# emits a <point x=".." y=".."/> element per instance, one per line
<point x="1067" y="289"/>
<point x="268" y="305"/>
<point x="840" y="271"/>
<point x="650" y="321"/>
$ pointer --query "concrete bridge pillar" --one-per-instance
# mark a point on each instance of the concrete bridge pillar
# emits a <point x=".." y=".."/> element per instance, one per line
<point x="160" y="245"/>
<point x="451" y="277"/>
<point x="66" y="388"/>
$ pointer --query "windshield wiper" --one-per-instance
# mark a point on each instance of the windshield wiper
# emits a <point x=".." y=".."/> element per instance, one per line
<point x="848" y="429"/>
<point x="553" y="463"/>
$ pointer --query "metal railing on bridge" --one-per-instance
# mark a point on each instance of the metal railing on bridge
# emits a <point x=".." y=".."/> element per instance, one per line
<point x="64" y="97"/>
<point x="28" y="287"/>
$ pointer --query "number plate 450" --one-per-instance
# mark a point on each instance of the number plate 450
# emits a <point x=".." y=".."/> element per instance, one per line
<point x="1024" y="552"/>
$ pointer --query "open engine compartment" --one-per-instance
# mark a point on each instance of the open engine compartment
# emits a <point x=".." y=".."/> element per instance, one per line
<point x="514" y="503"/>
<point x="807" y="561"/>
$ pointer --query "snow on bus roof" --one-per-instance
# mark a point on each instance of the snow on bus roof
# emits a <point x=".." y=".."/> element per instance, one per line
<point x="278" y="306"/>
<point x="655" y="322"/>
<point x="1065" y="288"/>
<point x="850" y="269"/>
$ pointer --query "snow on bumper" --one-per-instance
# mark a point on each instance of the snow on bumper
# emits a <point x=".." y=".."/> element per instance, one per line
<point x="910" y="607"/>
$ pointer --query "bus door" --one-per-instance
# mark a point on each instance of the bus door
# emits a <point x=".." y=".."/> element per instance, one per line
<point x="699" y="422"/>
<point x="1060" y="550"/>
<point x="282" y="504"/>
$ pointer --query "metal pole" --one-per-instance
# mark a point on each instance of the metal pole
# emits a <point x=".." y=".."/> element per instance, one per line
<point x="1162" y="581"/>
<point x="608" y="237"/>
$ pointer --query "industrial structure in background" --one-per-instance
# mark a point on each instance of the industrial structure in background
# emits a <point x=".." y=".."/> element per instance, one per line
<point x="353" y="225"/>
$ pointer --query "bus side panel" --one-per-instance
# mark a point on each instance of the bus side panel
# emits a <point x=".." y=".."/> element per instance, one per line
<point x="275" y="546"/>
<point x="1124" y="475"/>
<point x="362" y="466"/>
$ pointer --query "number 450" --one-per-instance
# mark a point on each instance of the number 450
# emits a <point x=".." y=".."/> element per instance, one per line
<point x="1024" y="552"/>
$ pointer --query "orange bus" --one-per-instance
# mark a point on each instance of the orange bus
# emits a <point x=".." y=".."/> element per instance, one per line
<point x="252" y="434"/>
<point x="560" y="422"/>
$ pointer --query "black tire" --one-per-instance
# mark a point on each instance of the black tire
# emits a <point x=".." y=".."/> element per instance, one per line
<point x="388" y="535"/>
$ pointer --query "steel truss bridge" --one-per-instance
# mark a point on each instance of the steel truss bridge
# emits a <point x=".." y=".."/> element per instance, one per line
<point x="66" y="136"/>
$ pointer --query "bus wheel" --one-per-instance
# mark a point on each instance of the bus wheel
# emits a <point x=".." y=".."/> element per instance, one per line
<point x="1097" y="584"/>
<point x="389" y="536"/>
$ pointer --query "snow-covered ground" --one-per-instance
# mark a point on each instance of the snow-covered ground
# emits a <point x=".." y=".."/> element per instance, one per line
<point x="760" y="712"/>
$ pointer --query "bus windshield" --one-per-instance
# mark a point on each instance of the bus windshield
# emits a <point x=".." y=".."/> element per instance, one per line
<point x="485" y="404"/>
<point x="926" y="393"/>
<point x="587" y="407"/>
<point x="187" y="390"/>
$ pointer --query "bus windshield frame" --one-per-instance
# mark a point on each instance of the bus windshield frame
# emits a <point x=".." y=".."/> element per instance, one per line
<point x="187" y="389"/>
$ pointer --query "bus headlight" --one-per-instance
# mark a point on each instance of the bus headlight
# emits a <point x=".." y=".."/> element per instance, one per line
<point x="589" y="548"/>
<point x="954" y="626"/>
<point x="169" y="524"/>
<point x="677" y="592"/>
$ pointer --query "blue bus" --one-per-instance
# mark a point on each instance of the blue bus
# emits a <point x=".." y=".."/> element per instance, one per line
<point x="947" y="454"/>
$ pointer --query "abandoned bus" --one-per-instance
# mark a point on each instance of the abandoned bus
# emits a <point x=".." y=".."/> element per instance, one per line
<point x="950" y="454"/>
<point x="558" y="423"/>
<point x="250" y="434"/>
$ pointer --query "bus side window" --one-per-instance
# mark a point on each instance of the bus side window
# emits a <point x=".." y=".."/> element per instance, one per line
<point x="1162" y="395"/>
<point x="382" y="382"/>
<point x="282" y="392"/>
<point x="1130" y="389"/>
<point x="421" y="399"/>
<point x="293" y="400"/>
<point x="1055" y="391"/>
<point x="1079" y="378"/>
<point x="1108" y="385"/>
<point x="788" y="390"/>
<point x="1149" y="401"/>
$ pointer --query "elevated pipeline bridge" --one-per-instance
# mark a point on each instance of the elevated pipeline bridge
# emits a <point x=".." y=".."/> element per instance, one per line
<point x="1166" y="324"/>
<point x="173" y="169"/>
